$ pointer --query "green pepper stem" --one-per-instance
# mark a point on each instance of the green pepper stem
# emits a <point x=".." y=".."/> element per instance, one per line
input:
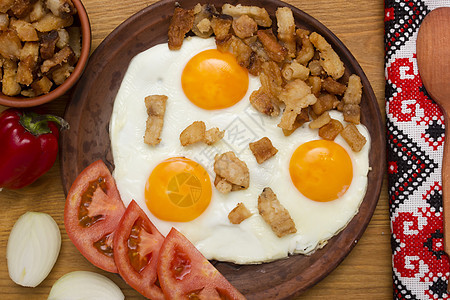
<point x="38" y="124"/>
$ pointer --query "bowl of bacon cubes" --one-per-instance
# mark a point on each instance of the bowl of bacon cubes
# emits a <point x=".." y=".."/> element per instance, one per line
<point x="44" y="48"/>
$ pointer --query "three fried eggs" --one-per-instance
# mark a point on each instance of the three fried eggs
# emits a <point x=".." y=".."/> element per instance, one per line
<point x="184" y="175"/>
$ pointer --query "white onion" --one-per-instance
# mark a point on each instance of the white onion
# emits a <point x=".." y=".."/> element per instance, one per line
<point x="80" y="285"/>
<point x="33" y="247"/>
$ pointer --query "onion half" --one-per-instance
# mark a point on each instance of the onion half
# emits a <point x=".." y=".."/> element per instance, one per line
<point x="33" y="247"/>
<point x="80" y="285"/>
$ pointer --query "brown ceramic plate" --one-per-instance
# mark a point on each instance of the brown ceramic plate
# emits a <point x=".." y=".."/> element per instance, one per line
<point x="88" y="140"/>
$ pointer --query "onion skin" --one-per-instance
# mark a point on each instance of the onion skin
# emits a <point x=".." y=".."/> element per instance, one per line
<point x="80" y="285"/>
<point x="33" y="248"/>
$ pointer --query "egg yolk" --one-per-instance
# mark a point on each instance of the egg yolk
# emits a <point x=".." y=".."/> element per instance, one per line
<point x="214" y="80"/>
<point x="321" y="170"/>
<point x="178" y="189"/>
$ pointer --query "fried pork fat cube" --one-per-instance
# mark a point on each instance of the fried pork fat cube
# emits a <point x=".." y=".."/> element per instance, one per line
<point x="156" y="108"/>
<point x="196" y="132"/>
<point x="264" y="103"/>
<point x="61" y="8"/>
<point x="263" y="149"/>
<point x="231" y="173"/>
<point x="286" y="29"/>
<point x="352" y="100"/>
<point x="353" y="137"/>
<point x="297" y="96"/>
<point x="259" y="14"/>
<point x="244" y="26"/>
<point x="180" y="24"/>
<point x="239" y="214"/>
<point x="274" y="214"/>
<point x="329" y="59"/>
<point x="203" y="15"/>
<point x="10" y="86"/>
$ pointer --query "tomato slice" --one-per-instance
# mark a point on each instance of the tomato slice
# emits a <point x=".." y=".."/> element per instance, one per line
<point x="92" y="212"/>
<point x="136" y="249"/>
<point x="184" y="273"/>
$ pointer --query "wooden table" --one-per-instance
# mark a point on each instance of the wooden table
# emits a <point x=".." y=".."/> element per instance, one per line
<point x="364" y="274"/>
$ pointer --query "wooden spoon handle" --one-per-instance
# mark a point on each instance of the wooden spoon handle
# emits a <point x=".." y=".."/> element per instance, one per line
<point x="446" y="184"/>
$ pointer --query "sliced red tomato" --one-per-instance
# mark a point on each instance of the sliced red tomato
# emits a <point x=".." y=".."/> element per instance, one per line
<point x="184" y="273"/>
<point x="92" y="212"/>
<point x="136" y="249"/>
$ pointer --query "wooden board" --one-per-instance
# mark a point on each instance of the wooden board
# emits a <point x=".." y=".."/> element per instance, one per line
<point x="364" y="274"/>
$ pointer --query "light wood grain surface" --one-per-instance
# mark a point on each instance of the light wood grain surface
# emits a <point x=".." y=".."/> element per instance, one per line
<point x="364" y="274"/>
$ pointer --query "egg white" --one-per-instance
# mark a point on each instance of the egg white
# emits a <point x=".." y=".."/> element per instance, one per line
<point x="158" y="71"/>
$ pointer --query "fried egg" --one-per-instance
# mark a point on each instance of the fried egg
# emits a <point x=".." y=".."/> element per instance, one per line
<point x="320" y="183"/>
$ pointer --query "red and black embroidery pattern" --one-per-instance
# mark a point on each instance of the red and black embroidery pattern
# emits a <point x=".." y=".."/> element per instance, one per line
<point x="415" y="137"/>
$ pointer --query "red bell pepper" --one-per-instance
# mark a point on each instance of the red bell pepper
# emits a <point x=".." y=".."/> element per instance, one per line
<point x="28" y="146"/>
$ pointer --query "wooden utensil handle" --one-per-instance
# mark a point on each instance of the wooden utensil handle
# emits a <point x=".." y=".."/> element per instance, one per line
<point x="446" y="184"/>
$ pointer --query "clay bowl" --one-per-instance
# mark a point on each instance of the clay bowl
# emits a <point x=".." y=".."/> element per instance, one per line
<point x="82" y="20"/>
<point x="88" y="140"/>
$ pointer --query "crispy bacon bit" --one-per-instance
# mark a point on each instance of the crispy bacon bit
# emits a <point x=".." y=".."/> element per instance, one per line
<point x="222" y="185"/>
<point x="288" y="119"/>
<point x="325" y="102"/>
<point x="25" y="70"/>
<point x="10" y="44"/>
<point x="156" y="108"/>
<point x="64" y="55"/>
<point x="264" y="103"/>
<point x="51" y="22"/>
<point x="329" y="59"/>
<point x="6" y="5"/>
<point x="38" y="11"/>
<point x="202" y="20"/>
<point x="306" y="52"/>
<point x="354" y="90"/>
<point x="24" y="30"/>
<point x="322" y="120"/>
<point x="232" y="169"/>
<point x="297" y="95"/>
<point x="61" y="8"/>
<point x="353" y="137"/>
<point x="315" y="68"/>
<point x="274" y="214"/>
<point x="48" y="44"/>
<point x="352" y="99"/>
<point x="244" y="26"/>
<point x="221" y="25"/>
<point x="263" y="149"/>
<point x="274" y="50"/>
<point x="271" y="79"/>
<point x="42" y="86"/>
<point x="333" y="87"/>
<point x="316" y="85"/>
<point x="194" y="133"/>
<point x="180" y="24"/>
<point x="60" y="74"/>
<point x="21" y="8"/>
<point x="286" y="29"/>
<point x="239" y="214"/>
<point x="331" y="130"/>
<point x="259" y="14"/>
<point x="4" y="21"/>
<point x="213" y="135"/>
<point x="295" y="70"/>
<point x="10" y="87"/>
<point x="351" y="113"/>
<point x="237" y="47"/>
<point x="300" y="119"/>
